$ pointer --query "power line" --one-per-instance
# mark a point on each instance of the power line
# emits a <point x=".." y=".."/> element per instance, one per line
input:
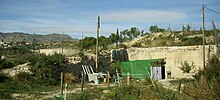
<point x="212" y="10"/>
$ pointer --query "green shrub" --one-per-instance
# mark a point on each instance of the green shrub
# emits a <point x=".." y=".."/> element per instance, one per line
<point x="14" y="56"/>
<point x="207" y="83"/>
<point x="4" y="78"/>
<point x="132" y="92"/>
<point x="122" y="46"/>
<point x="81" y="96"/>
<point x="203" y="89"/>
<point x="212" y="71"/>
<point x="48" y="68"/>
<point x="91" y="93"/>
<point x="23" y="77"/>
<point x="115" y="66"/>
<point x="126" y="92"/>
<point x="6" y="63"/>
<point x="185" y="67"/>
<point x="192" y="41"/>
<point x="16" y="50"/>
<point x="148" y="81"/>
<point x="136" y="45"/>
<point x="9" y="87"/>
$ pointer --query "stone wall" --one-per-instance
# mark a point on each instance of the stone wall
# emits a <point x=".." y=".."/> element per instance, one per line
<point x="173" y="57"/>
<point x="67" y="52"/>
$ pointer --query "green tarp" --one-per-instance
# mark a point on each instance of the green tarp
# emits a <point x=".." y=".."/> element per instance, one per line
<point x="138" y="69"/>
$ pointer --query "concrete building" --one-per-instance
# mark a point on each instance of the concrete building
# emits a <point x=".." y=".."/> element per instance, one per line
<point x="173" y="57"/>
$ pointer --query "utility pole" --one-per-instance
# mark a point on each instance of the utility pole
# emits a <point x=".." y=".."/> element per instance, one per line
<point x="216" y="40"/>
<point x="62" y="43"/>
<point x="203" y="32"/>
<point x="169" y="29"/>
<point x="97" y="44"/>
<point x="169" y="23"/>
<point x="35" y="44"/>
<point x="82" y="35"/>
<point x="191" y="28"/>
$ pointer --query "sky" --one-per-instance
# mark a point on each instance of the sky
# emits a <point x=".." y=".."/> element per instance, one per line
<point x="77" y="17"/>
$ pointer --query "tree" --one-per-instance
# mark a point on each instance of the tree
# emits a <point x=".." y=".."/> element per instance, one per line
<point x="200" y="29"/>
<point x="120" y="38"/>
<point x="135" y="32"/>
<point x="163" y="30"/>
<point x="188" y="28"/>
<point x="183" y="29"/>
<point x="87" y="42"/>
<point x="103" y="42"/>
<point x="117" y="34"/>
<point x="124" y="35"/>
<point x="113" y="38"/>
<point x="153" y="29"/>
<point x="142" y="33"/>
<point x="130" y="35"/>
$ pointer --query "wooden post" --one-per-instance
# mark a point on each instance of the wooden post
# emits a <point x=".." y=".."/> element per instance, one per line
<point x="203" y="32"/>
<point x="108" y="76"/>
<point x="97" y="44"/>
<point x="179" y="86"/>
<point x="117" y="74"/>
<point x="61" y="84"/>
<point x="65" y="91"/>
<point x="128" y="78"/>
<point x="82" y="83"/>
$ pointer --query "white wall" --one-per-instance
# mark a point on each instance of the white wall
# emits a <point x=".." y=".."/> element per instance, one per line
<point x="67" y="52"/>
<point x="174" y="56"/>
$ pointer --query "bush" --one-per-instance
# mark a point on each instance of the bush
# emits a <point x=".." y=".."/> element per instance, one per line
<point x="132" y="92"/>
<point x="122" y="46"/>
<point x="186" y="68"/>
<point x="81" y="96"/>
<point x="203" y="89"/>
<point x="207" y="83"/>
<point x="115" y="66"/>
<point x="91" y="93"/>
<point x="136" y="45"/>
<point x="212" y="71"/>
<point x="192" y="41"/>
<point x="23" y="77"/>
<point x="48" y="68"/>
<point x="4" y="78"/>
<point x="126" y="92"/>
<point x="14" y="56"/>
<point x="9" y="87"/>
<point x="5" y="63"/>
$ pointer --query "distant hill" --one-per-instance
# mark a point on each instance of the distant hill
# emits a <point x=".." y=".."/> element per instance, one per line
<point x="25" y="37"/>
<point x="175" y="38"/>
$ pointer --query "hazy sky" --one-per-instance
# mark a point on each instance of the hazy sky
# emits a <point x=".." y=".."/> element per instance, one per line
<point x="74" y="17"/>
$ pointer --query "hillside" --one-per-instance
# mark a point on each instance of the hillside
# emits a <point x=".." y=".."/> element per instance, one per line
<point x="172" y="39"/>
<point x="25" y="37"/>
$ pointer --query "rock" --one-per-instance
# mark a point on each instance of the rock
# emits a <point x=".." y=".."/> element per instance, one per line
<point x="15" y="70"/>
<point x="106" y="91"/>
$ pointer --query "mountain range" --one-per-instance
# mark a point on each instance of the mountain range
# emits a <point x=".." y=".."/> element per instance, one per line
<point x="25" y="37"/>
